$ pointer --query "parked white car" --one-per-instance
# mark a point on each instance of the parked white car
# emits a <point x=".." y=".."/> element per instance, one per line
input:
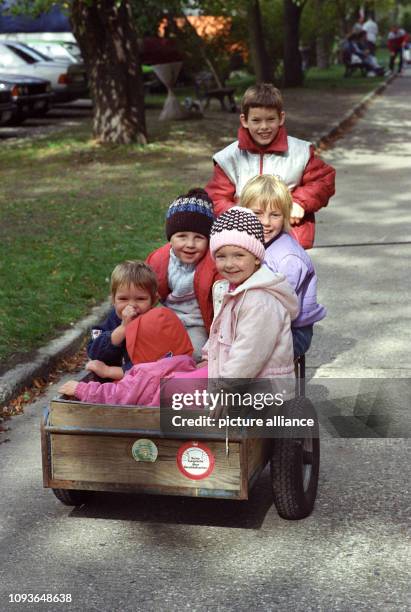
<point x="58" y="51"/>
<point x="68" y="80"/>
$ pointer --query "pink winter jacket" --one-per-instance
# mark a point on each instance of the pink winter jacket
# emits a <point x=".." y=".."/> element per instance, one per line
<point x="140" y="385"/>
<point x="251" y="333"/>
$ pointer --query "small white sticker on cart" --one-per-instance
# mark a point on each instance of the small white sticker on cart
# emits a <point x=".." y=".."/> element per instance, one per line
<point x="144" y="450"/>
<point x="195" y="460"/>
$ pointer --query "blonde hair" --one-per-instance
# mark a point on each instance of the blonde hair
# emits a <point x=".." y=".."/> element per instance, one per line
<point x="271" y="193"/>
<point x="263" y="95"/>
<point x="137" y="273"/>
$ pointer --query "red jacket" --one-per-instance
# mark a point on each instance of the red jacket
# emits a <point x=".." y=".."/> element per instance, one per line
<point x="316" y="188"/>
<point x="397" y="40"/>
<point x="204" y="277"/>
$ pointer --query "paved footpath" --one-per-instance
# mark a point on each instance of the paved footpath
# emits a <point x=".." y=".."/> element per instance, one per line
<point x="128" y="553"/>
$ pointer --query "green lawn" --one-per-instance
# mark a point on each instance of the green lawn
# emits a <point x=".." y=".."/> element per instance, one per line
<point x="69" y="211"/>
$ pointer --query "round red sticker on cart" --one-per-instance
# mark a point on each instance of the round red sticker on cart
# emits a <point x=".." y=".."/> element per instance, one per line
<point x="195" y="460"/>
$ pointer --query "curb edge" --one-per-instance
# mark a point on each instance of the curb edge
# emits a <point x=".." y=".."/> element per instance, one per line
<point x="22" y="375"/>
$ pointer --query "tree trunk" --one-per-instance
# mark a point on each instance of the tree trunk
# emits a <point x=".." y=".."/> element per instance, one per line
<point x="293" y="72"/>
<point x="322" y="51"/>
<point x="108" y="41"/>
<point x="263" y="66"/>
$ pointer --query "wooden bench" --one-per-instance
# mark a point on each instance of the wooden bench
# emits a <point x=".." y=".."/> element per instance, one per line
<point x="350" y="67"/>
<point x="206" y="91"/>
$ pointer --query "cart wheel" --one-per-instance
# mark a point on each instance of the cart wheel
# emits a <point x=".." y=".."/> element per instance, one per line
<point x="71" y="497"/>
<point x="295" y="467"/>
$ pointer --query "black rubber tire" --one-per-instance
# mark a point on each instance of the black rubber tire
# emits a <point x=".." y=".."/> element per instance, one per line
<point x="71" y="497"/>
<point x="16" y="120"/>
<point x="43" y="112"/>
<point x="294" y="496"/>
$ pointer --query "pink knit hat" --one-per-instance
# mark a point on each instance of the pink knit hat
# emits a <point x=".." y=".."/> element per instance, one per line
<point x="238" y="227"/>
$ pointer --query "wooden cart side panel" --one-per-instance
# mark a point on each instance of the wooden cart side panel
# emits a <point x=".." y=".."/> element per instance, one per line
<point x="80" y="415"/>
<point x="109" y="459"/>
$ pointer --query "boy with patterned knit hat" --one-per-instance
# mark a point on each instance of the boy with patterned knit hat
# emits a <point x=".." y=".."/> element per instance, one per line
<point x="184" y="268"/>
<point x="263" y="147"/>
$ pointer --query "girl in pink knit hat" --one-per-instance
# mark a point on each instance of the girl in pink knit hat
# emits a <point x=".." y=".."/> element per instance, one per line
<point x="250" y="336"/>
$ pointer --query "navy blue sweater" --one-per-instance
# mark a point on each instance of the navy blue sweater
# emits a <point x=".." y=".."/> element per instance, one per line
<point x="100" y="346"/>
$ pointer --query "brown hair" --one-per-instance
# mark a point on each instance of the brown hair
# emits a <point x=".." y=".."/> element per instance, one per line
<point x="262" y="95"/>
<point x="271" y="193"/>
<point x="134" y="272"/>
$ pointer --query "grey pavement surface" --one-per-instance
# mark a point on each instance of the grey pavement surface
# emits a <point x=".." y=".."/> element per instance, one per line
<point x="127" y="553"/>
<point x="60" y="117"/>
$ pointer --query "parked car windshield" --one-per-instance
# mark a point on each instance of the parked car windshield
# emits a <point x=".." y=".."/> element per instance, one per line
<point x="35" y="52"/>
<point x="8" y="58"/>
<point x="21" y="48"/>
<point x="29" y="59"/>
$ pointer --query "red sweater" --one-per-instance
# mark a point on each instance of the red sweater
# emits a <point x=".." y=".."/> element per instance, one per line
<point x="204" y="277"/>
<point x="316" y="188"/>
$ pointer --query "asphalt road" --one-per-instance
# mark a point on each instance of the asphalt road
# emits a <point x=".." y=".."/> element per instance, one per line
<point x="60" y="117"/>
<point x="127" y="553"/>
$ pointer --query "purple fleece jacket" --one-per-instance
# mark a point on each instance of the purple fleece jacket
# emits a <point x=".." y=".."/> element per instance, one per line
<point x="284" y="254"/>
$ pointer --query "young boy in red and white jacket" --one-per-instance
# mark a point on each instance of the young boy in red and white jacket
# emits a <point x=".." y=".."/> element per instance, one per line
<point x="263" y="147"/>
<point x="184" y="269"/>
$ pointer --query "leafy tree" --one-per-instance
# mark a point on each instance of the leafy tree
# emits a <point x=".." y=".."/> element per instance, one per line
<point x="106" y="31"/>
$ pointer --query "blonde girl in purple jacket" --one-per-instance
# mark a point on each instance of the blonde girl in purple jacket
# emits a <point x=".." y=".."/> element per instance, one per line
<point x="270" y="199"/>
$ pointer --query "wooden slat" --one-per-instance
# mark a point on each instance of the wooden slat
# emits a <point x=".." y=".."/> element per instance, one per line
<point x="108" y="460"/>
<point x="146" y="489"/>
<point x="99" y="419"/>
<point x="78" y="414"/>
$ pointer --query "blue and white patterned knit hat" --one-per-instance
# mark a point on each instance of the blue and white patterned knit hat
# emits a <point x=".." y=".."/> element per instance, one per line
<point x="193" y="212"/>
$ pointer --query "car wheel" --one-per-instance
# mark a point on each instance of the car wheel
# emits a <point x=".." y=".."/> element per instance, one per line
<point x="16" y="119"/>
<point x="42" y="111"/>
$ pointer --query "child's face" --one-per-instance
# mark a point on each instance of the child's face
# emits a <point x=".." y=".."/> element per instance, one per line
<point x="271" y="219"/>
<point x="235" y="263"/>
<point x="138" y="299"/>
<point x="189" y="247"/>
<point x="263" y="124"/>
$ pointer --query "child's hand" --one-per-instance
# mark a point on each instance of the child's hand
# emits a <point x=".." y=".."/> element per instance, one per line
<point x="129" y="313"/>
<point x="98" y="367"/>
<point x="69" y="388"/>
<point x="105" y="371"/>
<point x="202" y="364"/>
<point x="297" y="213"/>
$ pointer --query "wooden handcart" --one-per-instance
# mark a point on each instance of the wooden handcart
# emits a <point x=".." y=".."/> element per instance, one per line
<point x="90" y="447"/>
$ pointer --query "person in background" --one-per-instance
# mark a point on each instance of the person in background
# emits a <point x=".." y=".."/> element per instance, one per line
<point x="371" y="29"/>
<point x="396" y="42"/>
